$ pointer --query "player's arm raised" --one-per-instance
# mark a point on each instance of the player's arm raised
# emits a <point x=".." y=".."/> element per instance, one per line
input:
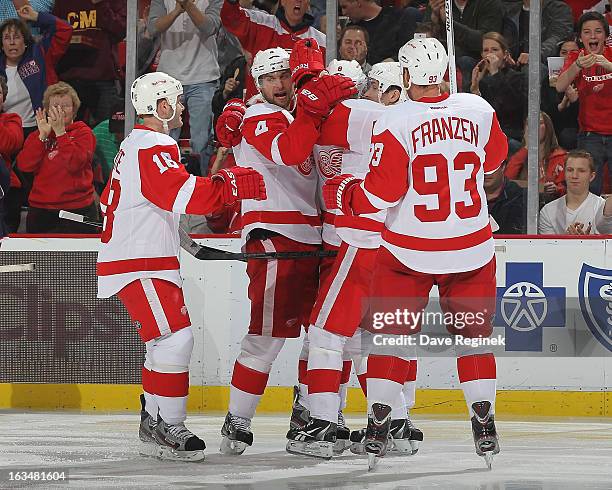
<point x="167" y="184"/>
<point x="384" y="185"/>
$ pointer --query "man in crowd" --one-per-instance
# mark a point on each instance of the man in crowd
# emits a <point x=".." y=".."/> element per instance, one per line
<point x="388" y="28"/>
<point x="189" y="53"/>
<point x="579" y="212"/>
<point x="353" y="45"/>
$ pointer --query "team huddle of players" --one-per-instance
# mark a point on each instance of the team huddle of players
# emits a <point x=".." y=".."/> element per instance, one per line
<point x="326" y="159"/>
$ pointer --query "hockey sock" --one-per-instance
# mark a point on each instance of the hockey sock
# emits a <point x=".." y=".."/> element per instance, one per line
<point x="324" y="373"/>
<point x="386" y="376"/>
<point x="149" y="393"/>
<point x="344" y="380"/>
<point x="251" y="371"/>
<point x="409" y="389"/>
<point x="168" y="374"/>
<point x="303" y="372"/>
<point x="477" y="375"/>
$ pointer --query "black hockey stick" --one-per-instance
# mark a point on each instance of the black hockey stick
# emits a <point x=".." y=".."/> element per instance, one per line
<point x="201" y="252"/>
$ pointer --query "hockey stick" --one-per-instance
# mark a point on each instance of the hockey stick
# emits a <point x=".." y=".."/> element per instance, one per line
<point x="450" y="46"/>
<point x="201" y="252"/>
<point x="17" y="268"/>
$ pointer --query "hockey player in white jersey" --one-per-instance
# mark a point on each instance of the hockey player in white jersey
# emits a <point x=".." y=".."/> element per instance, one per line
<point x="333" y="334"/>
<point x="281" y="292"/>
<point x="428" y="161"/>
<point x="145" y="196"/>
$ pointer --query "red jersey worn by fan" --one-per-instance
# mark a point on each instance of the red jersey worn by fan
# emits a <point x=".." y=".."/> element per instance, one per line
<point x="145" y="196"/>
<point x="428" y="161"/>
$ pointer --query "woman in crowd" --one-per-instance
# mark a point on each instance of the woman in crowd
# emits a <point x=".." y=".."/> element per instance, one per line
<point x="552" y="159"/>
<point x="590" y="70"/>
<point x="495" y="79"/>
<point x="11" y="141"/>
<point x="60" y="155"/>
<point x="29" y="66"/>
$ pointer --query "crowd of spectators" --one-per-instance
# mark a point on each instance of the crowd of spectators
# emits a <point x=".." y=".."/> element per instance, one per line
<point x="62" y="68"/>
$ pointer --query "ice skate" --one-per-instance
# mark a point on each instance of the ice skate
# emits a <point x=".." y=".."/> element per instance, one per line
<point x="237" y="435"/>
<point x="299" y="414"/>
<point x="485" y="435"/>
<point x="343" y="435"/>
<point x="377" y="437"/>
<point x="317" y="439"/>
<point x="176" y="442"/>
<point x="146" y="432"/>
<point x="405" y="437"/>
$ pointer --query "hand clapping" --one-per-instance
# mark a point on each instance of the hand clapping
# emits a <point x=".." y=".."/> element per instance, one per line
<point x="56" y="120"/>
<point x="44" y="128"/>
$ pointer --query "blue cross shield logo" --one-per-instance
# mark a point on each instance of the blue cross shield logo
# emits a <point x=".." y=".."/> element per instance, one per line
<point x="525" y="306"/>
<point x="595" y="294"/>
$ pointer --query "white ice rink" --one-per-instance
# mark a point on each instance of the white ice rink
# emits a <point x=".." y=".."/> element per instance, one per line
<point x="101" y="451"/>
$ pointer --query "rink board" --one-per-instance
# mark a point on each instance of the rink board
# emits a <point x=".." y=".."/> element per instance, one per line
<point x="62" y="348"/>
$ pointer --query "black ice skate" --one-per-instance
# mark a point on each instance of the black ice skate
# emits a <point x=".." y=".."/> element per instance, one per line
<point x="317" y="439"/>
<point x="146" y="432"/>
<point x="237" y="435"/>
<point x="485" y="435"/>
<point x="176" y="442"/>
<point x="377" y="433"/>
<point x="405" y="437"/>
<point x="343" y="435"/>
<point x="299" y="414"/>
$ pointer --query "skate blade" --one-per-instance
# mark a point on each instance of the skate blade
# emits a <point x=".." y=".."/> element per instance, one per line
<point x="316" y="449"/>
<point x="488" y="457"/>
<point x="372" y="461"/>
<point x="231" y="447"/>
<point x="168" y="454"/>
<point x="340" y="446"/>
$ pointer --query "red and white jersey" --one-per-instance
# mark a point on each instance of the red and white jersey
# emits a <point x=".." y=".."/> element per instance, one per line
<point x="344" y="147"/>
<point x="427" y="166"/>
<point x="271" y="145"/>
<point x="143" y="200"/>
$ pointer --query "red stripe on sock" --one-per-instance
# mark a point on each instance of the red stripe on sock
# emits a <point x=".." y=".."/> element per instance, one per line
<point x="388" y="367"/>
<point x="147" y="381"/>
<point x="302" y="371"/>
<point x="346" y="372"/>
<point x="249" y="380"/>
<point x="323" y="381"/>
<point x="170" y="384"/>
<point x="412" y="372"/>
<point x="363" y="382"/>
<point x="481" y="366"/>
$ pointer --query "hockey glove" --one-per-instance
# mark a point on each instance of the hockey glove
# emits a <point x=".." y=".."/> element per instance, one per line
<point x="319" y="96"/>
<point x="241" y="183"/>
<point x="337" y="192"/>
<point x="306" y="61"/>
<point x="229" y="122"/>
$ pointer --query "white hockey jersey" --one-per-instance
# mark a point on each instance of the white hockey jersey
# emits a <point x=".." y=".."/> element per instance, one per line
<point x="427" y="166"/>
<point x="344" y="147"/>
<point x="143" y="200"/>
<point x="270" y="146"/>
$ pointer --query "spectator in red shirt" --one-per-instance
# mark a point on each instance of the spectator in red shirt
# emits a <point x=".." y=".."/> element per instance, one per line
<point x="552" y="161"/>
<point x="28" y="65"/>
<point x="590" y="70"/>
<point x="60" y="155"/>
<point x="11" y="141"/>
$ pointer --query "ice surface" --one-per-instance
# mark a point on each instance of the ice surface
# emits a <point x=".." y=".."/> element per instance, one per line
<point x="101" y="451"/>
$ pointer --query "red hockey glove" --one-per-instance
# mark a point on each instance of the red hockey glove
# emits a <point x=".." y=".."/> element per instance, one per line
<point x="241" y="183"/>
<point x="337" y="192"/>
<point x="319" y="96"/>
<point x="228" y="124"/>
<point x="306" y="61"/>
